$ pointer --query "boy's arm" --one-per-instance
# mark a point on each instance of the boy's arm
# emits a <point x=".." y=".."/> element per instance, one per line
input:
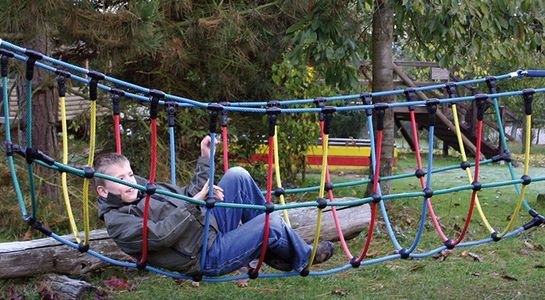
<point x="200" y="176"/>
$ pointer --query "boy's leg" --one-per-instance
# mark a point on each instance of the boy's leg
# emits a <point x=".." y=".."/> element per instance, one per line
<point x="235" y="249"/>
<point x="238" y="187"/>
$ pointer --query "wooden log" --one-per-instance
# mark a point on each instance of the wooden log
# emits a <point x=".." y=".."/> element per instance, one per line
<point x="62" y="287"/>
<point x="27" y="258"/>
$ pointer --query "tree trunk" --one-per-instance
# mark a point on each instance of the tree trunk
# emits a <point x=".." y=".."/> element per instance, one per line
<point x="44" y="111"/>
<point x="382" y="38"/>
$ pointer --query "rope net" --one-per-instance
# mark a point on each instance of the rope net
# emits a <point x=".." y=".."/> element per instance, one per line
<point x="374" y="112"/>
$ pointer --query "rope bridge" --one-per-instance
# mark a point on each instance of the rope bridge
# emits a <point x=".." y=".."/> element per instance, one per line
<point x="118" y="89"/>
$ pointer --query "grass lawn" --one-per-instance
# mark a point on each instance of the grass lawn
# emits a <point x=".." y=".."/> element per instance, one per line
<point x="511" y="268"/>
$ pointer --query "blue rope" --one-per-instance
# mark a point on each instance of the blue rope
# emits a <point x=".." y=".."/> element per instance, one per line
<point x="210" y="196"/>
<point x="30" y="170"/>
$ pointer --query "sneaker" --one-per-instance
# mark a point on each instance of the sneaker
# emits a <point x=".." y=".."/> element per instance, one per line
<point x="324" y="251"/>
<point x="277" y="263"/>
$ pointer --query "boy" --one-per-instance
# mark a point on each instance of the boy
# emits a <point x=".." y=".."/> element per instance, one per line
<point x="175" y="227"/>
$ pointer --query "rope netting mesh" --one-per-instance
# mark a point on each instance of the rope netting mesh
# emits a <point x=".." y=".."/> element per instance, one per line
<point x="374" y="112"/>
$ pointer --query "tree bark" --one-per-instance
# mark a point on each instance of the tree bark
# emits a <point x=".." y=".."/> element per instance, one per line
<point x="44" y="110"/>
<point x="381" y="55"/>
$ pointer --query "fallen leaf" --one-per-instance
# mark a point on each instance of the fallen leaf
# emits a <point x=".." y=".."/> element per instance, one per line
<point x="476" y="274"/>
<point x="339" y="292"/>
<point x="508" y="278"/>
<point x="195" y="284"/>
<point x="443" y="255"/>
<point x="28" y="235"/>
<point x="529" y="245"/>
<point x="118" y="283"/>
<point x="417" y="267"/>
<point x="524" y="252"/>
<point x="472" y="255"/>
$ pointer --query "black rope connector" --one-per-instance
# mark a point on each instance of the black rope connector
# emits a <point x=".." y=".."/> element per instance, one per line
<point x="328" y="116"/>
<point x="210" y="203"/>
<point x="61" y="86"/>
<point x="320" y="103"/>
<point x="354" y="262"/>
<point x="322" y="203"/>
<point x="380" y="108"/>
<point x="431" y="105"/>
<point x="93" y="84"/>
<point x="197" y="277"/>
<point x="83" y="248"/>
<point x="34" y="223"/>
<point x="154" y="97"/>
<point x="450" y="87"/>
<point x="273" y="103"/>
<point x="116" y="101"/>
<point x="477" y="186"/>
<point x="304" y="273"/>
<point x="419" y="173"/>
<point x="376" y="198"/>
<point x="224" y="117"/>
<point x="252" y="274"/>
<point x="328" y="186"/>
<point x="269" y="207"/>
<point x="372" y="178"/>
<point x="526" y="180"/>
<point x="465" y="164"/>
<point x="528" y="95"/>
<point x="88" y="172"/>
<point x="410" y="96"/>
<point x="273" y="112"/>
<point x="33" y="56"/>
<point x="8" y="148"/>
<point x="367" y="99"/>
<point x="537" y="220"/>
<point x="213" y="111"/>
<point x="141" y="265"/>
<point x="279" y="191"/>
<point x="492" y="85"/>
<point x="171" y="113"/>
<point x="449" y="244"/>
<point x="505" y="156"/>
<point x="4" y="61"/>
<point x="32" y="154"/>
<point x="428" y="192"/>
<point x="151" y="188"/>
<point x="403" y="253"/>
<point x="495" y="236"/>
<point x="480" y="99"/>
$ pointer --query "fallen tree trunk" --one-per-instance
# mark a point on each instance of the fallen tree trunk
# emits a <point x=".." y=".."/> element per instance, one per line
<point x="20" y="259"/>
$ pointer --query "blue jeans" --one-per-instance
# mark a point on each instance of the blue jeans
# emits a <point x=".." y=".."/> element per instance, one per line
<point x="241" y="230"/>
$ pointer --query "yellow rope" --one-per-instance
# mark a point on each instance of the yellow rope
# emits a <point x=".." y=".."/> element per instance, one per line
<point x="63" y="174"/>
<point x="321" y="195"/>
<point x="468" y="172"/>
<point x="277" y="175"/>
<point x="528" y="140"/>
<point x="90" y="164"/>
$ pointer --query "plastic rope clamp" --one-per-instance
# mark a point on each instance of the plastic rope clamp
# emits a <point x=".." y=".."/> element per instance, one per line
<point x="269" y="207"/>
<point x="8" y="148"/>
<point x="93" y="84"/>
<point x="450" y="87"/>
<point x="154" y="97"/>
<point x="213" y="111"/>
<point x="494" y="236"/>
<point x="210" y="203"/>
<point x="224" y="117"/>
<point x="116" y="107"/>
<point x="320" y="103"/>
<point x="465" y="164"/>
<point x="141" y="265"/>
<point x="449" y="244"/>
<point x="322" y="203"/>
<point x="403" y="253"/>
<point x="252" y="274"/>
<point x="526" y="180"/>
<point x="477" y="186"/>
<point x="354" y="262"/>
<point x="273" y="112"/>
<point x="328" y="116"/>
<point x="279" y="191"/>
<point x="506" y="156"/>
<point x="480" y="101"/>
<point x="528" y="95"/>
<point x="367" y="99"/>
<point x="82" y="247"/>
<point x="328" y="186"/>
<point x="151" y="188"/>
<point x="537" y="220"/>
<point x="431" y="106"/>
<point x="32" y="154"/>
<point x="33" y="56"/>
<point x="410" y="96"/>
<point x="376" y="198"/>
<point x="304" y="273"/>
<point x="4" y="62"/>
<point x="88" y="172"/>
<point x="428" y="192"/>
<point x="273" y="103"/>
<point x="492" y="85"/>
<point x="419" y="173"/>
<point x="171" y="113"/>
<point x="381" y="110"/>
<point x="61" y="86"/>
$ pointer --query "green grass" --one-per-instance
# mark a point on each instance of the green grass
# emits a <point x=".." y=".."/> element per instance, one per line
<point x="511" y="268"/>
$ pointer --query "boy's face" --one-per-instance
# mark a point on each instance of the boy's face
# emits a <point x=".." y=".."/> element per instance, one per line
<point x="121" y="171"/>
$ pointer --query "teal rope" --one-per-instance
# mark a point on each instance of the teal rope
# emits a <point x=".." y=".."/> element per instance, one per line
<point x="29" y="145"/>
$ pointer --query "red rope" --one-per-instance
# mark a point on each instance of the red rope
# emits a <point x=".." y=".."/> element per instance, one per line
<point x="117" y="135"/>
<point x="422" y="182"/>
<point x="268" y="199"/>
<point x="225" y="148"/>
<point x="376" y="175"/>
<point x="148" y="196"/>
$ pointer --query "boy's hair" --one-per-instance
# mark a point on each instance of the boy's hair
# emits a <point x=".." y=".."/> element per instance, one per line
<point x="105" y="160"/>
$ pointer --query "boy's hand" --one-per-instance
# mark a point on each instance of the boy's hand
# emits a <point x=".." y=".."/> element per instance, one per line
<point x="205" y="146"/>
<point x="203" y="194"/>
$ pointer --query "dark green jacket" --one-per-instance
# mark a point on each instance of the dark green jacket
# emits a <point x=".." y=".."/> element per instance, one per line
<point x="175" y="227"/>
